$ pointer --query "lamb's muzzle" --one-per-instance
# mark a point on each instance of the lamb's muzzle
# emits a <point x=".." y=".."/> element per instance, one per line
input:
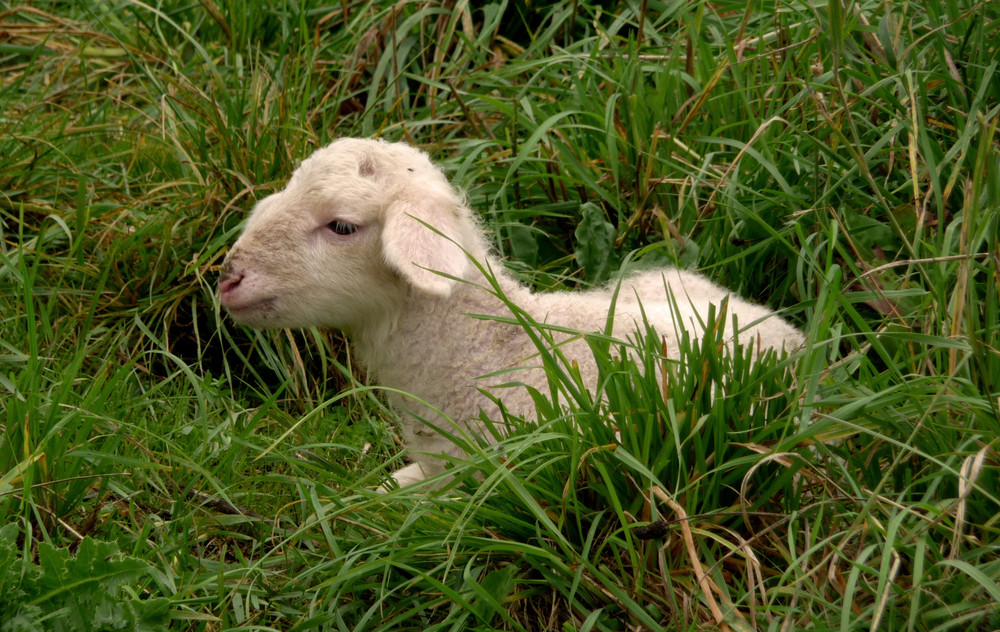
<point x="239" y="298"/>
<point x="401" y="283"/>
<point x="228" y="282"/>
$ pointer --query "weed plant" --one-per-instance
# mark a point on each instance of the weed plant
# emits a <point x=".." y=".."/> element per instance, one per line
<point x="162" y="468"/>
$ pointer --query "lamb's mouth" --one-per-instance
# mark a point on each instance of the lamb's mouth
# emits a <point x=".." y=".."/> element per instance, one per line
<point x="253" y="311"/>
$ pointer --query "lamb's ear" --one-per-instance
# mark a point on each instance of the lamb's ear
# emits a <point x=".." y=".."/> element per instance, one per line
<point x="421" y="242"/>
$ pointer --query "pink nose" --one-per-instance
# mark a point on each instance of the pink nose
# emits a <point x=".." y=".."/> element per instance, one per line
<point x="226" y="284"/>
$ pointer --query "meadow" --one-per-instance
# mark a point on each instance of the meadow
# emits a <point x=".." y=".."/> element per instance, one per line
<point x="163" y="468"/>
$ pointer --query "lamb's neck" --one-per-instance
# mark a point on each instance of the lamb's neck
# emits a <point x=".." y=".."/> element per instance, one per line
<point x="429" y="336"/>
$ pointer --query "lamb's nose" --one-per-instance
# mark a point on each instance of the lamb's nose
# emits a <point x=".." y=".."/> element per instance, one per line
<point x="228" y="281"/>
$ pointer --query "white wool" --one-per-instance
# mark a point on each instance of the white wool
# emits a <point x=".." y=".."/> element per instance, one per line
<point x="369" y="237"/>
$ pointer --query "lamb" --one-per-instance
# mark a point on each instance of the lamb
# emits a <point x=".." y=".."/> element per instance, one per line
<point x="369" y="237"/>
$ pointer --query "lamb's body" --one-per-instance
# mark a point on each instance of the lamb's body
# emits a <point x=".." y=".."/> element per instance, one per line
<point x="347" y="245"/>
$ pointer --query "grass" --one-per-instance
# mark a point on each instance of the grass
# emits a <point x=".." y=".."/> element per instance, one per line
<point x="160" y="467"/>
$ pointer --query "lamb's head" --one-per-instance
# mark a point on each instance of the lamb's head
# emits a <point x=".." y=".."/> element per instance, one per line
<point x="360" y="224"/>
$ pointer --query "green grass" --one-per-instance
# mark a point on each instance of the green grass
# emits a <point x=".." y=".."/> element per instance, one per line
<point x="162" y="467"/>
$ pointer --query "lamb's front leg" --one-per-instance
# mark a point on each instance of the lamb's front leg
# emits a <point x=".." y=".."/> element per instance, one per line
<point x="414" y="473"/>
<point x="408" y="475"/>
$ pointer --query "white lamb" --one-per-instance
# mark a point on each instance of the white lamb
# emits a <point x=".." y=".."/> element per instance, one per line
<point x="370" y="238"/>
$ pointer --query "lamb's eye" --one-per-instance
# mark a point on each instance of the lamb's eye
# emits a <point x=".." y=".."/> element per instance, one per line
<point x="342" y="228"/>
